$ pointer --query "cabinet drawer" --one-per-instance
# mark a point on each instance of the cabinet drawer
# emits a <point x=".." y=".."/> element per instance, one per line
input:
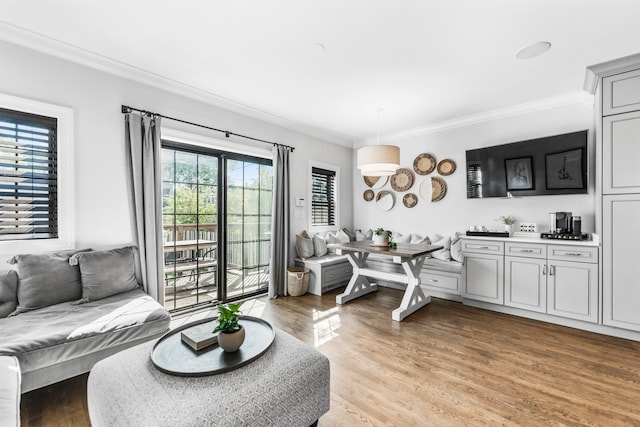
<point x="439" y="282"/>
<point x="528" y="250"/>
<point x="621" y="93"/>
<point x="336" y="273"/>
<point x="572" y="253"/>
<point x="483" y="247"/>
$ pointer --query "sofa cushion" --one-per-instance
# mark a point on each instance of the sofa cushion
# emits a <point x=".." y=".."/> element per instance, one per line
<point x="106" y="273"/>
<point x="440" y="265"/>
<point x="304" y="245"/>
<point x="8" y="292"/>
<point x="46" y="279"/>
<point x="399" y="238"/>
<point x="63" y="331"/>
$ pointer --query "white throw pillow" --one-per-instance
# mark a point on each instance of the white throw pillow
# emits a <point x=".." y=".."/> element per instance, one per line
<point x="319" y="245"/>
<point x="304" y="245"/>
<point x="364" y="236"/>
<point x="399" y="238"/>
<point x="445" y="253"/>
<point x="343" y="237"/>
<point x="416" y="238"/>
<point x="456" y="247"/>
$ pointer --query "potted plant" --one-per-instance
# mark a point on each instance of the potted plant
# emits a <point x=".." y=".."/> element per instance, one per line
<point x="231" y="333"/>
<point x="381" y="237"/>
<point x="508" y="222"/>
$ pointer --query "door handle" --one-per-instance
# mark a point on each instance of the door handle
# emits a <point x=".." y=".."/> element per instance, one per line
<point x="544" y="270"/>
<point x="552" y="270"/>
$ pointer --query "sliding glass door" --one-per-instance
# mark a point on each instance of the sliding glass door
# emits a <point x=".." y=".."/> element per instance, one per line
<point x="216" y="221"/>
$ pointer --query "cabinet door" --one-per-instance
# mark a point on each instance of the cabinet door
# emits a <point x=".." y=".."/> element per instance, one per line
<point x="621" y="93"/>
<point x="620" y="153"/>
<point x="620" y="261"/>
<point x="484" y="278"/>
<point x="573" y="290"/>
<point x="525" y="283"/>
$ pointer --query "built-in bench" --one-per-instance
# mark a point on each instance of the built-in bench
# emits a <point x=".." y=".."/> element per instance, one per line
<point x="326" y="272"/>
<point x="443" y="279"/>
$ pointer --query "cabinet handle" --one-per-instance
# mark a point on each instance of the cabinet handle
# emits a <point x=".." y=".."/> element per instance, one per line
<point x="483" y="247"/>
<point x="544" y="270"/>
<point x="433" y="280"/>
<point x="573" y="254"/>
<point x="552" y="270"/>
<point x="526" y="250"/>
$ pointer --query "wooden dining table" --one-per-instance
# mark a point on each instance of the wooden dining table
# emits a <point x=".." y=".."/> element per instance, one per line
<point x="410" y="256"/>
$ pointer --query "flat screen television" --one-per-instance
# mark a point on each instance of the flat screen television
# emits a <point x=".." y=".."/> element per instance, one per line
<point x="543" y="166"/>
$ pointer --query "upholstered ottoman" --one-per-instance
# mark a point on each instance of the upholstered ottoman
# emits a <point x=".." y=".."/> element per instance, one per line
<point x="9" y="391"/>
<point x="287" y="386"/>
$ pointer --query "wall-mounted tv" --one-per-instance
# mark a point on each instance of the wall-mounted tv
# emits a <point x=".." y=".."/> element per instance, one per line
<point x="544" y="166"/>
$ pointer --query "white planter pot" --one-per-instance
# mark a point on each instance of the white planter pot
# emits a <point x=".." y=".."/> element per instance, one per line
<point x="381" y="239"/>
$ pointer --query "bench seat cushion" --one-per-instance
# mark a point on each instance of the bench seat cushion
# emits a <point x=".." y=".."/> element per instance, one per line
<point x="60" y="332"/>
<point x="326" y="260"/>
<point x="440" y="265"/>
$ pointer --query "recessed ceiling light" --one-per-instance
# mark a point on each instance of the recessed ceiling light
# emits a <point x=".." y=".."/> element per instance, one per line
<point x="533" y="50"/>
<point x="317" y="47"/>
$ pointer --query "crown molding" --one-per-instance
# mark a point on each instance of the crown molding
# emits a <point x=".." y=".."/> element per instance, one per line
<point x="577" y="97"/>
<point x="608" y="68"/>
<point x="50" y="46"/>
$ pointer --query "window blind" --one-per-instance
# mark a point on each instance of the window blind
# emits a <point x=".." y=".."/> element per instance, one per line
<point x="28" y="176"/>
<point x="323" y="197"/>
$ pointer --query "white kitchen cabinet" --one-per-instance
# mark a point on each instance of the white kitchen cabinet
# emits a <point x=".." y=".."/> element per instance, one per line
<point x="621" y="153"/>
<point x="484" y="269"/>
<point x="621" y="263"/>
<point x="525" y="280"/>
<point x="621" y="93"/>
<point x="572" y="289"/>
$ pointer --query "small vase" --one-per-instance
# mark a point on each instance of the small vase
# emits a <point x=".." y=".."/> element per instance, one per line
<point x="231" y="342"/>
<point x="507" y="228"/>
<point x="381" y="239"/>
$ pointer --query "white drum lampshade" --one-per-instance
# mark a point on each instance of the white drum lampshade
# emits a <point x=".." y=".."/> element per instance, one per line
<point x="379" y="160"/>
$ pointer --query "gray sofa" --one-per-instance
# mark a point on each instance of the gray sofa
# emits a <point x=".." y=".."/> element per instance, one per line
<point x="62" y="312"/>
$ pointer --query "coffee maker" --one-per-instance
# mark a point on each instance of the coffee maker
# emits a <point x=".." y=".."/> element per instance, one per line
<point x="560" y="223"/>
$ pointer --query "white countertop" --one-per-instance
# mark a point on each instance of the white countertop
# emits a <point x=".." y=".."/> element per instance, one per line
<point x="595" y="240"/>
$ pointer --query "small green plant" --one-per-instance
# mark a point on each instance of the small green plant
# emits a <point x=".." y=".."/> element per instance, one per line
<point x="381" y="230"/>
<point x="228" y="318"/>
<point x="508" y="220"/>
<point x="393" y="245"/>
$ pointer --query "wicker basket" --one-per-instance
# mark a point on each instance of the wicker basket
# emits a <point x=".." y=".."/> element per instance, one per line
<point x="297" y="281"/>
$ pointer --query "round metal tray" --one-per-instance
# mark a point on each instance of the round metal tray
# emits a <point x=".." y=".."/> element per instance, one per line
<point x="171" y="356"/>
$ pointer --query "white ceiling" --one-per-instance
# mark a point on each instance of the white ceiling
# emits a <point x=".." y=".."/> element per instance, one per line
<point x="425" y="62"/>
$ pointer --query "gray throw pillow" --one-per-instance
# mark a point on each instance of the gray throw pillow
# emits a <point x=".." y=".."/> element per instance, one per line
<point x="304" y="245"/>
<point x="106" y="273"/>
<point x="8" y="292"/>
<point x="319" y="245"/>
<point x="46" y="279"/>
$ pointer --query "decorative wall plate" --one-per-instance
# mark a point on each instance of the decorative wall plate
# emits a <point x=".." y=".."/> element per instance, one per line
<point x="375" y="181"/>
<point x="368" y="195"/>
<point x="439" y="189"/>
<point x="402" y="180"/>
<point x="446" y="167"/>
<point x="410" y="200"/>
<point x="385" y="200"/>
<point x="426" y="189"/>
<point x="424" y="164"/>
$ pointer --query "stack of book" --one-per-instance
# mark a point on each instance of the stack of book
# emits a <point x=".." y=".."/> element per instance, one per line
<point x="200" y="336"/>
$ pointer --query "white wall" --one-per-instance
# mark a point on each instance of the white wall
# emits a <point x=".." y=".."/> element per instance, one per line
<point x="101" y="200"/>
<point x="455" y="212"/>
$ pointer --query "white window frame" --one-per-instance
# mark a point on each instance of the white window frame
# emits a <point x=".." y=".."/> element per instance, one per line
<point x="323" y="228"/>
<point x="66" y="188"/>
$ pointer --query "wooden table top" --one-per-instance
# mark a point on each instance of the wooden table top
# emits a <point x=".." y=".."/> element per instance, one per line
<point x="403" y="250"/>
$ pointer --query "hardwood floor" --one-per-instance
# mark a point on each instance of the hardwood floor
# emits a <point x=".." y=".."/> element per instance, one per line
<point x="446" y="365"/>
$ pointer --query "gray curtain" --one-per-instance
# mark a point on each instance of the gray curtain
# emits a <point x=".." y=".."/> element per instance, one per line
<point x="280" y="235"/>
<point x="143" y="146"/>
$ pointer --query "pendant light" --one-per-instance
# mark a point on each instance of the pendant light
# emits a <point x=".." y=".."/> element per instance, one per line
<point x="379" y="160"/>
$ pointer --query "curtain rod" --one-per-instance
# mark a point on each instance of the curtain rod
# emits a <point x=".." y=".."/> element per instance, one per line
<point x="126" y="109"/>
